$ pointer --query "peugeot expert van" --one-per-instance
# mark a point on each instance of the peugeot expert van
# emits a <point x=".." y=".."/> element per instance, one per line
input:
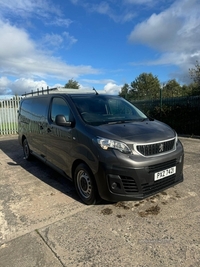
<point x="103" y="143"/>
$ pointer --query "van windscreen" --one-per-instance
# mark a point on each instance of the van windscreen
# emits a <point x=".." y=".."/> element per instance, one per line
<point x="105" y="109"/>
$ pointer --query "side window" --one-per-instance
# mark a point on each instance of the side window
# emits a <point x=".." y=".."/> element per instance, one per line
<point x="39" y="109"/>
<point x="34" y="109"/>
<point x="59" y="107"/>
<point x="25" y="109"/>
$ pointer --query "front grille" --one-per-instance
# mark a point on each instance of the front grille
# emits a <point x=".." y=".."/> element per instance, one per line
<point x="162" y="166"/>
<point x="159" y="185"/>
<point x="129" y="184"/>
<point x="156" y="148"/>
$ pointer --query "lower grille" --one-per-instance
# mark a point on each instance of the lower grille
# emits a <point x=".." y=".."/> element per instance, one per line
<point x="159" y="185"/>
<point x="162" y="166"/>
<point x="129" y="184"/>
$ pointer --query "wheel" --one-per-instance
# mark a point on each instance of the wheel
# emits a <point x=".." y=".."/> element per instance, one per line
<point x="85" y="184"/>
<point x="26" y="149"/>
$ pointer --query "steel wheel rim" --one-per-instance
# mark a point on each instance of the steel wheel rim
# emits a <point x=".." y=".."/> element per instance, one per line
<point x="84" y="184"/>
<point x="26" y="150"/>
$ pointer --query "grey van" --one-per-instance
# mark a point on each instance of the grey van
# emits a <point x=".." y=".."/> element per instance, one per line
<point x="103" y="143"/>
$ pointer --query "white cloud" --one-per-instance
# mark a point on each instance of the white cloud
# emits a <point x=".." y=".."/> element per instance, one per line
<point x="148" y="3"/>
<point x="174" y="32"/>
<point x="159" y="31"/>
<point x="112" y="88"/>
<point x="107" y="86"/>
<point x="55" y="41"/>
<point x="27" y="8"/>
<point x="171" y="30"/>
<point x="52" y="39"/>
<point x="19" y="86"/>
<point x="60" y="22"/>
<point x="103" y="81"/>
<point x="102" y="8"/>
<point x="140" y="2"/>
<point x="4" y="81"/>
<point x="74" y="1"/>
<point x="48" y="13"/>
<point x="22" y="86"/>
<point x="108" y="8"/>
<point x="128" y="16"/>
<point x="15" y="42"/>
<point x="20" y="57"/>
<point x="4" y="86"/>
<point x="70" y="40"/>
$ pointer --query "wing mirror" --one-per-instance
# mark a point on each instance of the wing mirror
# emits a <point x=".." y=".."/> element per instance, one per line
<point x="61" y="121"/>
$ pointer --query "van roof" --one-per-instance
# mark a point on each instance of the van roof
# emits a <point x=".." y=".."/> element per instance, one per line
<point x="60" y="90"/>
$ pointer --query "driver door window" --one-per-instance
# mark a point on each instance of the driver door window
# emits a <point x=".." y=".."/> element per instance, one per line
<point x="59" y="107"/>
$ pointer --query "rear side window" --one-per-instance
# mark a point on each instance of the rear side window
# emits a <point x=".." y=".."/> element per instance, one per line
<point x="39" y="108"/>
<point x="34" y="108"/>
<point x="59" y="107"/>
<point x="25" y="110"/>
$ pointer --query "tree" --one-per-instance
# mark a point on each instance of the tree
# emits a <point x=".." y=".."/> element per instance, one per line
<point x="72" y="84"/>
<point x="124" y="91"/>
<point x="186" y="90"/>
<point x="195" y="73"/>
<point x="172" y="89"/>
<point x="195" y="76"/>
<point x="145" y="86"/>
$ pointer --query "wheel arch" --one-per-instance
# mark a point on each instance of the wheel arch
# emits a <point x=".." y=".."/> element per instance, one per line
<point x="86" y="184"/>
<point x="23" y="138"/>
<point x="75" y="164"/>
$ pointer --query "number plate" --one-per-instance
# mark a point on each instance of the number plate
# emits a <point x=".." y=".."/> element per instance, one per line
<point x="165" y="173"/>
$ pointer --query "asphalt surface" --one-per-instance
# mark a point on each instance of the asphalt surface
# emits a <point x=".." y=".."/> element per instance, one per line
<point x="43" y="223"/>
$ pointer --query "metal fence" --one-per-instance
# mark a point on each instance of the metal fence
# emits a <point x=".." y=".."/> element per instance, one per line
<point x="182" y="114"/>
<point x="8" y="116"/>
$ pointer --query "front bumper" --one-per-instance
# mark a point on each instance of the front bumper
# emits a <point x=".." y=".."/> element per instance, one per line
<point x="116" y="183"/>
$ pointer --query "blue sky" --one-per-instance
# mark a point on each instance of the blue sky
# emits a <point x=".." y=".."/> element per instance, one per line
<point x="101" y="44"/>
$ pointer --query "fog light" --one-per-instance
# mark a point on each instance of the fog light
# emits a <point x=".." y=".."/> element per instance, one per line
<point x="114" y="185"/>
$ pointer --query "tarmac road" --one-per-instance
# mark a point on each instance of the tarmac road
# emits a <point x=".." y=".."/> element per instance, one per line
<point x="43" y="223"/>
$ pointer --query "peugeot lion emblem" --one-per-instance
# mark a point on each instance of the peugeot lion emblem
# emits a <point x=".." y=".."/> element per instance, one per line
<point x="161" y="148"/>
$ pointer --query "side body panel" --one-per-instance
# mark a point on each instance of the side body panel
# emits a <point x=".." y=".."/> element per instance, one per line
<point x="32" y="121"/>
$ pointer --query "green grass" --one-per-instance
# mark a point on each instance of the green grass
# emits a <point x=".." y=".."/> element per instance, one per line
<point x="8" y="128"/>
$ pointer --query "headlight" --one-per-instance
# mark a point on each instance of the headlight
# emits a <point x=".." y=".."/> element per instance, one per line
<point x="108" y="143"/>
<point x="176" y="138"/>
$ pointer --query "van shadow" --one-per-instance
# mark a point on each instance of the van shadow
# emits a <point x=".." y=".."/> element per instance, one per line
<point x="40" y="170"/>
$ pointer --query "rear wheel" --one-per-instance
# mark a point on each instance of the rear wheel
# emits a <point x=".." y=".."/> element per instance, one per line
<point x="85" y="184"/>
<point x="26" y="149"/>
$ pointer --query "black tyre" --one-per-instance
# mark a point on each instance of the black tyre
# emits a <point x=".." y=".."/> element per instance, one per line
<point x="26" y="149"/>
<point x="85" y="184"/>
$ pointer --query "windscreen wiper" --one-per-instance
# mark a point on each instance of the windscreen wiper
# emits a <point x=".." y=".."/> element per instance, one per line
<point x="120" y="121"/>
<point x="127" y="121"/>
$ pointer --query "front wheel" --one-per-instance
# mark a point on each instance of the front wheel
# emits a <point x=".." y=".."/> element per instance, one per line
<point x="26" y="149"/>
<point x="85" y="184"/>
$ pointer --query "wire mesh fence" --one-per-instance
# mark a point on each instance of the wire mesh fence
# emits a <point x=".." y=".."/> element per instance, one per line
<point x="182" y="113"/>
